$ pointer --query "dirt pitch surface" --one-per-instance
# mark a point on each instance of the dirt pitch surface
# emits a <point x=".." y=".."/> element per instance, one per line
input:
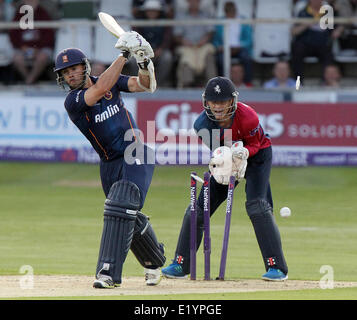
<point x="72" y="286"/>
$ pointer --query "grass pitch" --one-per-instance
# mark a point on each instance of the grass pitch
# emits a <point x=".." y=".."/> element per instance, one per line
<point x="51" y="219"/>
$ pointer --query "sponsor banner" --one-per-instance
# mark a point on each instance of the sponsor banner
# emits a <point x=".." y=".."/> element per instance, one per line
<point x="281" y="156"/>
<point x="314" y="156"/>
<point x="38" y="154"/>
<point x="41" y="122"/>
<point x="302" y="133"/>
<point x="38" y="129"/>
<point x="289" y="124"/>
<point x="37" y="122"/>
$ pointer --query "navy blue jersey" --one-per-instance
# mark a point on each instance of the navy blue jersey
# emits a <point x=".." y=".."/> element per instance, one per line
<point x="105" y="123"/>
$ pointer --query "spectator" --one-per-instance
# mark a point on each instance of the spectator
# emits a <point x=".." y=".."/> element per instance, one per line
<point x="195" y="50"/>
<point x="240" y="41"/>
<point x="33" y="47"/>
<point x="332" y="76"/>
<point x="347" y="9"/>
<point x="237" y="76"/>
<point x="281" y="72"/>
<point x="6" y="50"/>
<point x="311" y="40"/>
<point x="167" y="7"/>
<point x="160" y="39"/>
<point x="136" y="9"/>
<point x="208" y="6"/>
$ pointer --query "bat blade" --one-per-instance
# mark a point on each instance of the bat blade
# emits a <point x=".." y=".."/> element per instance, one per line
<point x="110" y="24"/>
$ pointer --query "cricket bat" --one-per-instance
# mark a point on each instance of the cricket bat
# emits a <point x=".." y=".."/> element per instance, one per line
<point x="117" y="31"/>
<point x="113" y="27"/>
<point x="110" y="24"/>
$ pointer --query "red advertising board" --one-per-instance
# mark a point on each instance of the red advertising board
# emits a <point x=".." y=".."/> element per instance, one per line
<point x="289" y="124"/>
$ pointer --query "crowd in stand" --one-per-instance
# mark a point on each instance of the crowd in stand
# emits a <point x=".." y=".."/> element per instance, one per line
<point x="186" y="55"/>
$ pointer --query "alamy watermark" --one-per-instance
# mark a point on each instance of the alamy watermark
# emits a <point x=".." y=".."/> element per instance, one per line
<point x="167" y="147"/>
<point x="327" y="20"/>
<point x="327" y="280"/>
<point x="26" y="281"/>
<point x="27" y="20"/>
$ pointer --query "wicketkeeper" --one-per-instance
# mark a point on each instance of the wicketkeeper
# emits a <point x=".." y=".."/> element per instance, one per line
<point x="249" y="157"/>
<point x="95" y="106"/>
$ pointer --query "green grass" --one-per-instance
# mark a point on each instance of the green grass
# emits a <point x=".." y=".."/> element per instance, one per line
<point x="56" y="227"/>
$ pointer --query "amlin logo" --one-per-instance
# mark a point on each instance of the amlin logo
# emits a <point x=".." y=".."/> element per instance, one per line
<point x="111" y="110"/>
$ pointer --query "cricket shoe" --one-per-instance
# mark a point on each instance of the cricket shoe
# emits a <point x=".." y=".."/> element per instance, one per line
<point x="274" y="275"/>
<point x="104" y="282"/>
<point x="174" y="271"/>
<point x="152" y="276"/>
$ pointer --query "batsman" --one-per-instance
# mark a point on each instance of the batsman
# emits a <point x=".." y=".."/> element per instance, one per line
<point x="244" y="151"/>
<point x="95" y="106"/>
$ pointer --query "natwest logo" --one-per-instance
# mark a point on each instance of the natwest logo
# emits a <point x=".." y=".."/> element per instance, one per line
<point x="173" y="117"/>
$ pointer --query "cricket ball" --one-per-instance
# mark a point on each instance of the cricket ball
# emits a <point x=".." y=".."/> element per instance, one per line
<point x="285" y="212"/>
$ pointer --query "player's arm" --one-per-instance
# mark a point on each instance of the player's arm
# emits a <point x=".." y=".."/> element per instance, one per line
<point x="145" y="81"/>
<point x="105" y="82"/>
<point x="141" y="50"/>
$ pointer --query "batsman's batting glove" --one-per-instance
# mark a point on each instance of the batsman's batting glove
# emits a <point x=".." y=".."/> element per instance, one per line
<point x="143" y="64"/>
<point x="126" y="54"/>
<point x="135" y="43"/>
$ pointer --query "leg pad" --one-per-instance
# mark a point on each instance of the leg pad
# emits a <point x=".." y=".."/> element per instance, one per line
<point x="120" y="212"/>
<point x="145" y="247"/>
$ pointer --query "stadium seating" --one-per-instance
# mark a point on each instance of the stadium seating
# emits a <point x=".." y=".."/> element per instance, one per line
<point x="102" y="38"/>
<point x="344" y="56"/>
<point x="6" y="50"/>
<point x="111" y="6"/>
<point x="79" y="37"/>
<point x="76" y="9"/>
<point x="272" y="41"/>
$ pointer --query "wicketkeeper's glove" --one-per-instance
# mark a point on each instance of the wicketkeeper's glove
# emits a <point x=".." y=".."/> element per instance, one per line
<point x="220" y="165"/>
<point x="240" y="155"/>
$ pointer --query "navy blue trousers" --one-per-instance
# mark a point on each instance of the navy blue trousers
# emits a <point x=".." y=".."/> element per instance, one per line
<point x="118" y="169"/>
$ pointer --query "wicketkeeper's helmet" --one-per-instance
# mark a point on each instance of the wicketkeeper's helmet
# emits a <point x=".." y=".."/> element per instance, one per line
<point x="220" y="89"/>
<point x="67" y="58"/>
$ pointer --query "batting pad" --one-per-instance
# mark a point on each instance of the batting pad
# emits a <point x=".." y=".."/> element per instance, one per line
<point x="120" y="211"/>
<point x="147" y="250"/>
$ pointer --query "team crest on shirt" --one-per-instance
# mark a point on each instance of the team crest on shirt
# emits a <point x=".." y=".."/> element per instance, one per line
<point x="108" y="95"/>
<point x="254" y="131"/>
<point x="217" y="89"/>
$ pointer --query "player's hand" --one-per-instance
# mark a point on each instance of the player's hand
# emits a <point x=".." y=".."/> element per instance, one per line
<point x="239" y="167"/>
<point x="142" y="62"/>
<point x="220" y="165"/>
<point x="239" y="160"/>
<point x="134" y="43"/>
<point x="239" y="151"/>
<point x="126" y="54"/>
